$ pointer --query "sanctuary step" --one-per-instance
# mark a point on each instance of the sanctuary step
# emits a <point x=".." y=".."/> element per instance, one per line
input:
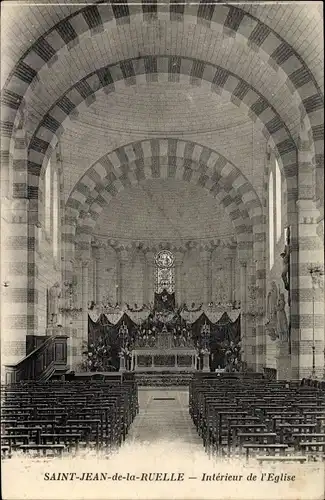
<point x="161" y="379"/>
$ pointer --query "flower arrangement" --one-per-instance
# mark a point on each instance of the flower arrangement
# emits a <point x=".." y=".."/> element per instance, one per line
<point x="97" y="356"/>
<point x="125" y="351"/>
<point x="232" y="353"/>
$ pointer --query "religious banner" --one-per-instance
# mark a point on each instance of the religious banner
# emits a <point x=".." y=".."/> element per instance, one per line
<point x="164" y="301"/>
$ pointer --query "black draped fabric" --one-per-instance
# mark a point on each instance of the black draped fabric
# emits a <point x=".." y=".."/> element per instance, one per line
<point x="153" y="321"/>
<point x="221" y="333"/>
<point x="198" y="324"/>
<point x="226" y="330"/>
<point x="95" y="330"/>
<point x="222" y="327"/>
<point x="127" y="321"/>
<point x="103" y="320"/>
<point x="131" y="326"/>
<point x="164" y="301"/>
<point x="234" y="331"/>
<point x="110" y="334"/>
<point x="105" y="330"/>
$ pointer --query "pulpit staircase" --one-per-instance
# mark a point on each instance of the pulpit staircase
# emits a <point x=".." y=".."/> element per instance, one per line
<point x="46" y="358"/>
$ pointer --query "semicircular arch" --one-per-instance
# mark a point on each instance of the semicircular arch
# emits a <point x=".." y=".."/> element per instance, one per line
<point x="220" y="80"/>
<point x="165" y="158"/>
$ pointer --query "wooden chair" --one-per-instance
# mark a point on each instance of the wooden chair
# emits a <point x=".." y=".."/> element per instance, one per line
<point x="268" y="448"/>
<point x="56" y="449"/>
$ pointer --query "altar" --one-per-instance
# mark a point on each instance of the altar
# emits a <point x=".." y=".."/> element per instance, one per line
<point x="164" y="355"/>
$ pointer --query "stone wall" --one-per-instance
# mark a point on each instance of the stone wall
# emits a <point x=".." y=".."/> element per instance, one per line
<point x="136" y="283"/>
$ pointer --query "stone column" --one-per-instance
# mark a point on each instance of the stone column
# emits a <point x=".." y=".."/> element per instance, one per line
<point x="233" y="279"/>
<point x="260" y="273"/>
<point x="149" y="276"/>
<point x="243" y="289"/>
<point x="17" y="286"/>
<point x="123" y="262"/>
<point x="74" y="323"/>
<point x="101" y="273"/>
<point x="229" y="274"/>
<point x="251" y="310"/>
<point x="95" y="268"/>
<point x="283" y="365"/>
<point x="79" y="322"/>
<point x="178" y="277"/>
<point x="307" y="255"/>
<point x="83" y="334"/>
<point x="205" y="256"/>
<point x="307" y="298"/>
<point x="20" y="231"/>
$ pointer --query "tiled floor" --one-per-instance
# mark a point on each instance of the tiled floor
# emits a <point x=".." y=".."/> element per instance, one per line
<point x="163" y="416"/>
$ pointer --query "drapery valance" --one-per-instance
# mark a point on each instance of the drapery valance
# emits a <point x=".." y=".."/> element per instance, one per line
<point x="140" y="317"/>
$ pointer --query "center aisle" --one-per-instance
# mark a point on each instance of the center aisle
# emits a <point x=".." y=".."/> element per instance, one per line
<point x="163" y="416"/>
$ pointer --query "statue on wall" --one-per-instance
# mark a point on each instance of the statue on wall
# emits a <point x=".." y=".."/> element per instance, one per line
<point x="54" y="302"/>
<point x="286" y="261"/>
<point x="220" y="296"/>
<point x="272" y="300"/>
<point x="281" y="321"/>
<point x="271" y="311"/>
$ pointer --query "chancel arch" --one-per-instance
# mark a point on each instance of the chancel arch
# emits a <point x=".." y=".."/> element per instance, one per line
<point x="262" y="74"/>
<point x="135" y="162"/>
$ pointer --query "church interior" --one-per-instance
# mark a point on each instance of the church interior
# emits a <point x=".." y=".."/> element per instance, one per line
<point x="162" y="227"/>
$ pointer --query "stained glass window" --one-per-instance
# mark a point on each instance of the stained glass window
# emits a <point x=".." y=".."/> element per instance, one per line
<point x="165" y="271"/>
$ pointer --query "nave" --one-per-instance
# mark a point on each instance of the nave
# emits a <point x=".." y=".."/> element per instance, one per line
<point x="218" y="429"/>
<point x="229" y="415"/>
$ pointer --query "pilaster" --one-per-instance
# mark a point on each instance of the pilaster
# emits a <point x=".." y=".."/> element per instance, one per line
<point x="122" y="274"/>
<point x="19" y="271"/>
<point x="243" y="300"/>
<point x="179" y="256"/>
<point x="205" y="257"/>
<point x="307" y="299"/>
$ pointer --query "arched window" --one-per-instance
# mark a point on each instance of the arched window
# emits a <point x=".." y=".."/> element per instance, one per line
<point x="278" y="201"/>
<point x="47" y="199"/>
<point x="55" y="216"/>
<point x="271" y="220"/>
<point x="165" y="271"/>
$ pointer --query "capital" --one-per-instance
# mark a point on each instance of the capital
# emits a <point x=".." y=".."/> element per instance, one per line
<point x="307" y="210"/>
<point x="205" y="255"/>
<point x="123" y="255"/>
<point x="179" y="257"/>
<point x="150" y="257"/>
